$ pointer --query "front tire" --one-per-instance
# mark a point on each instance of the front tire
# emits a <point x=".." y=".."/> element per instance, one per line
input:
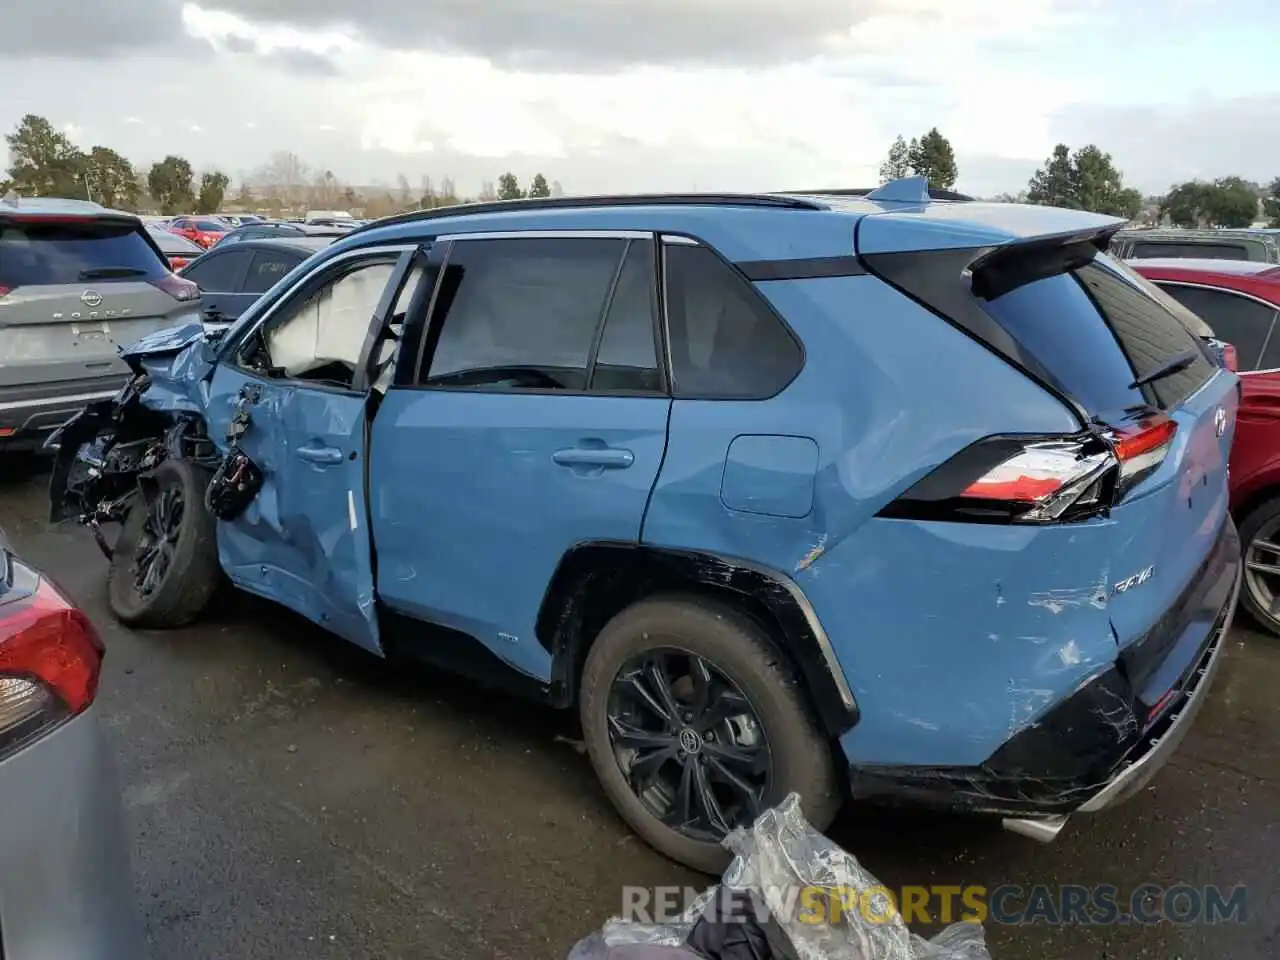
<point x="695" y="724"/>
<point x="165" y="566"/>
<point x="1260" y="545"/>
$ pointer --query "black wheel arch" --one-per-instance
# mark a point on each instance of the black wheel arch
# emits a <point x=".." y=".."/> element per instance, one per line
<point x="596" y="580"/>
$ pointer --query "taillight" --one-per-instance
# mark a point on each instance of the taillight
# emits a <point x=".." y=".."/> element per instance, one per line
<point x="177" y="287"/>
<point x="1141" y="447"/>
<point x="50" y="660"/>
<point x="4" y="291"/>
<point x="1038" y="479"/>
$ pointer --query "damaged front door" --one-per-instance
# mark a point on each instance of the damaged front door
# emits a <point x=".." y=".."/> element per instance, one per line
<point x="287" y="395"/>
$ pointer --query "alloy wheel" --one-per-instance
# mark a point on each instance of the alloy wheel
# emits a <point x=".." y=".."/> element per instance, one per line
<point x="689" y="743"/>
<point x="159" y="540"/>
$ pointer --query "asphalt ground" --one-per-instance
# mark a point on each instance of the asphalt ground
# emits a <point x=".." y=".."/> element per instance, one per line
<point x="291" y="796"/>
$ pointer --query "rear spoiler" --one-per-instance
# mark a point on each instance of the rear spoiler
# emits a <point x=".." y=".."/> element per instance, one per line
<point x="1003" y="269"/>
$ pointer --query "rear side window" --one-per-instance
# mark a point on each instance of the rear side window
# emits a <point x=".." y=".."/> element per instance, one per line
<point x="219" y="272"/>
<point x="210" y="226"/>
<point x="1206" y="251"/>
<point x="267" y="268"/>
<point x="725" y="341"/>
<point x="34" y="253"/>
<point x="1245" y="324"/>
<point x="522" y="314"/>
<point x="1097" y="329"/>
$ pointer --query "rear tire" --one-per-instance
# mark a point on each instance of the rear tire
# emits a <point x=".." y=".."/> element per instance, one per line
<point x="748" y="680"/>
<point x="165" y="566"/>
<point x="1259" y="591"/>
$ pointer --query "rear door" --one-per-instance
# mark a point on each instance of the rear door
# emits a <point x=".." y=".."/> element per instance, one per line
<point x="535" y="420"/>
<point x="72" y="290"/>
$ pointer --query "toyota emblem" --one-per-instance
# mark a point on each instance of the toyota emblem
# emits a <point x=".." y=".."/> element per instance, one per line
<point x="91" y="298"/>
<point x="1220" y="421"/>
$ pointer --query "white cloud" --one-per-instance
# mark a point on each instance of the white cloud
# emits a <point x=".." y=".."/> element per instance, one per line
<point x="657" y="94"/>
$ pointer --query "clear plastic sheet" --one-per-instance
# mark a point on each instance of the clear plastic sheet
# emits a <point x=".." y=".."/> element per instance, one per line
<point x="781" y="858"/>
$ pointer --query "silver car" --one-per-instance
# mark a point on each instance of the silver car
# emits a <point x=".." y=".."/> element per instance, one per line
<point x="76" y="279"/>
<point x="66" y="888"/>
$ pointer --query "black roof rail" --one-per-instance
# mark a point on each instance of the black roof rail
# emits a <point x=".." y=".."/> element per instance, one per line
<point x="604" y="200"/>
<point x="935" y="193"/>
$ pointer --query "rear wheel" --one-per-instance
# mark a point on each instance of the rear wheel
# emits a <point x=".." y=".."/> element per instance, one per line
<point x="695" y="725"/>
<point x="165" y="563"/>
<point x="1260" y="539"/>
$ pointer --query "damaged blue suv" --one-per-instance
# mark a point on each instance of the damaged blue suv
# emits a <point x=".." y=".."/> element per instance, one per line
<point x="886" y="497"/>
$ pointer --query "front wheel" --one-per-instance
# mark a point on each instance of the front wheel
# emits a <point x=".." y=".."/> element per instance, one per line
<point x="695" y="725"/>
<point x="165" y="563"/>
<point x="1260" y="540"/>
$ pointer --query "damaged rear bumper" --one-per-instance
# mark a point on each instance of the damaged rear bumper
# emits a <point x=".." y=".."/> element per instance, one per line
<point x="1104" y="743"/>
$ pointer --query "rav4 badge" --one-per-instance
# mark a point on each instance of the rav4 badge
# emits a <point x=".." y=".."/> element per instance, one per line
<point x="1137" y="580"/>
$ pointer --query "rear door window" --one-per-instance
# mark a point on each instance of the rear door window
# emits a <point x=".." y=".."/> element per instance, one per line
<point x="35" y="253"/>
<point x="522" y="314"/>
<point x="267" y="268"/>
<point x="1244" y="323"/>
<point x="221" y="272"/>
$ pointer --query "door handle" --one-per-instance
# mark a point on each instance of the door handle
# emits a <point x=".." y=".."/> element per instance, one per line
<point x="321" y="455"/>
<point x="594" y="457"/>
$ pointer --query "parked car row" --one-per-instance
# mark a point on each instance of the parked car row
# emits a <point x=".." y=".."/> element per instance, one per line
<point x="667" y="461"/>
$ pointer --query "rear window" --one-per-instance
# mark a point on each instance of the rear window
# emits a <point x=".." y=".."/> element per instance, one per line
<point x="210" y="226"/>
<point x="36" y="254"/>
<point x="1098" y="329"/>
<point x="1206" y="251"/>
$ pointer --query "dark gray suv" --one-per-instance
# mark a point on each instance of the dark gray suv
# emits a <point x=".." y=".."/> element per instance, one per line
<point x="76" y="279"/>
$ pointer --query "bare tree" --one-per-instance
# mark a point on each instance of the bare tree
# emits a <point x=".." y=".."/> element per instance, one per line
<point x="287" y="174"/>
<point x="448" y="195"/>
<point x="487" y="192"/>
<point x="326" y="191"/>
<point x="556" y="189"/>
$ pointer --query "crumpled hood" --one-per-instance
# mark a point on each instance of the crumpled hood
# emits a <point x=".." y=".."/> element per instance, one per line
<point x="178" y="361"/>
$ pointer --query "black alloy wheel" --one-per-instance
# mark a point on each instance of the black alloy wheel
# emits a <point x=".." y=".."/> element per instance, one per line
<point x="159" y="542"/>
<point x="689" y="743"/>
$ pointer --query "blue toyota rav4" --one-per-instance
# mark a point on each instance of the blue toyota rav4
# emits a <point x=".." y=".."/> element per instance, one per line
<point x="888" y="497"/>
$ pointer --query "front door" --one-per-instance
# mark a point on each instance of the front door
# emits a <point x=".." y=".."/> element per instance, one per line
<point x="534" y="420"/>
<point x="291" y="391"/>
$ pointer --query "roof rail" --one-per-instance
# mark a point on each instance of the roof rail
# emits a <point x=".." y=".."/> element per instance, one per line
<point x="604" y="200"/>
<point x="935" y="193"/>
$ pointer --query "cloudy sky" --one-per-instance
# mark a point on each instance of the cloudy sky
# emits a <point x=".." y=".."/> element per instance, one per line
<point x="655" y="94"/>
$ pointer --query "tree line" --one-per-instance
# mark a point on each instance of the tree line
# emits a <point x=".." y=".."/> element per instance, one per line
<point x="1087" y="179"/>
<point x="45" y="162"/>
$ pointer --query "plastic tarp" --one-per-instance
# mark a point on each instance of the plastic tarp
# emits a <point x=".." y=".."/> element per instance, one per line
<point x="778" y="862"/>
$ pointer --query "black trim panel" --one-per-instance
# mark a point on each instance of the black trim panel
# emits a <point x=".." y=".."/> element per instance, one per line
<point x="809" y="268"/>
<point x="596" y="580"/>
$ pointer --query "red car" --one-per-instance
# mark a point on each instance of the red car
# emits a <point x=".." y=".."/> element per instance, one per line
<point x="205" y="231"/>
<point x="1240" y="301"/>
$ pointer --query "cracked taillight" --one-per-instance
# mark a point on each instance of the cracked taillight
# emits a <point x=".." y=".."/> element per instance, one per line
<point x="1054" y="479"/>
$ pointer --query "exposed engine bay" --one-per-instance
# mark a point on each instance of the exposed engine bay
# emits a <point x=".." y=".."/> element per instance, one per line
<point x="106" y="453"/>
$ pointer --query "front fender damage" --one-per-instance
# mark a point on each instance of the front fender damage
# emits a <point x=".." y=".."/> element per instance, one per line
<point x="106" y="450"/>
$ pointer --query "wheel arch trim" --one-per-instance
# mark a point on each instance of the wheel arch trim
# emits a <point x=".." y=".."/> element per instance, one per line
<point x="606" y="565"/>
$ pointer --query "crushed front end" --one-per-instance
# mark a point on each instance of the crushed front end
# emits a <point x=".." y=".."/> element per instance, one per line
<point x="103" y="451"/>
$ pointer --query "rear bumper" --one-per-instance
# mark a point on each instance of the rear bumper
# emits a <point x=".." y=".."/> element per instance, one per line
<point x="30" y="411"/>
<point x="1105" y="742"/>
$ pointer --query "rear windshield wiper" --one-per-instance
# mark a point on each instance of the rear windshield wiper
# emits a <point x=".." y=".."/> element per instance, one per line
<point x="109" y="273"/>
<point x="1168" y="367"/>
